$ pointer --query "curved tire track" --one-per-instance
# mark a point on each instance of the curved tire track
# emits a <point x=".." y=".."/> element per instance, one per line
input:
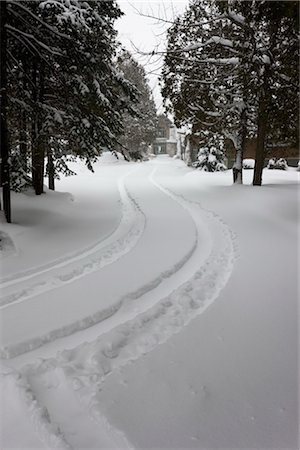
<point x="86" y="367"/>
<point x="100" y="315"/>
<point x="106" y="252"/>
<point x="156" y="324"/>
<point x="24" y="275"/>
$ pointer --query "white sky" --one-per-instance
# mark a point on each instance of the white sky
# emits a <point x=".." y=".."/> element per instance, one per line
<point x="146" y="34"/>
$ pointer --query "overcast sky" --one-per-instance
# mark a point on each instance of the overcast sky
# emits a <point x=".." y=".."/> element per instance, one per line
<point x="146" y="34"/>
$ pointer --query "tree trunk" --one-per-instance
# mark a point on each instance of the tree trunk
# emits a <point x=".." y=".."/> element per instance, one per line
<point x="33" y="122"/>
<point x="23" y="140"/>
<point x="262" y="129"/>
<point x="264" y="103"/>
<point x="260" y="147"/>
<point x="38" y="149"/>
<point x="188" y="154"/>
<point x="4" y="145"/>
<point x="51" y="170"/>
<point x="23" y="123"/>
<point x="237" y="168"/>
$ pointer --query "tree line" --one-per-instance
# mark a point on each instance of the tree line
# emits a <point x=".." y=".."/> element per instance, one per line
<point x="231" y="71"/>
<point x="67" y="90"/>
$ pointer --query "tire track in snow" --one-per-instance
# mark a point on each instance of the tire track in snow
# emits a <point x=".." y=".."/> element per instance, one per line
<point x="24" y="275"/>
<point x="46" y="426"/>
<point x="106" y="252"/>
<point x="87" y="366"/>
<point x="42" y="428"/>
<point x="153" y="326"/>
<point x="99" y="316"/>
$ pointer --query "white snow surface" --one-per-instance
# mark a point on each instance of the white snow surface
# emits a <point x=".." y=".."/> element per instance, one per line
<point x="248" y="163"/>
<point x="151" y="306"/>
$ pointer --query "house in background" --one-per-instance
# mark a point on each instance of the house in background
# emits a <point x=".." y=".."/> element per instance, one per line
<point x="166" y="137"/>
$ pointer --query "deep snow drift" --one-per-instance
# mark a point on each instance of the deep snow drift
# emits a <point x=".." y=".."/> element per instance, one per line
<point x="153" y="306"/>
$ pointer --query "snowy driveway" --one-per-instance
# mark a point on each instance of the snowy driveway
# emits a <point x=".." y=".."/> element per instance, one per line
<point x="70" y="322"/>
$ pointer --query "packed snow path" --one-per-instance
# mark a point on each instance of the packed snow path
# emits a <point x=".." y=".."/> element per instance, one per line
<point x="168" y="271"/>
<point x="167" y="260"/>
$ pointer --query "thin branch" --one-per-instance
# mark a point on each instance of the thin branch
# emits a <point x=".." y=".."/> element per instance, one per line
<point x="35" y="52"/>
<point x="25" y="44"/>
<point x="149" y="16"/>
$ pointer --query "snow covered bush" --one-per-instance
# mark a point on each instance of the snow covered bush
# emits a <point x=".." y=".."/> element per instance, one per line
<point x="211" y="156"/>
<point x="280" y="164"/>
<point x="248" y="163"/>
<point x="271" y="163"/>
<point x="210" y="160"/>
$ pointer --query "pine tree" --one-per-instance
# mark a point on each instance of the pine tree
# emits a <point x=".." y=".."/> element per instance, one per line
<point x="66" y="94"/>
<point x="203" y="78"/>
<point x="139" y="124"/>
<point x="272" y="61"/>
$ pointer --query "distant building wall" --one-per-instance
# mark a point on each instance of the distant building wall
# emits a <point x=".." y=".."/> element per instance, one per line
<point x="291" y="154"/>
<point x="171" y="148"/>
<point x="274" y="152"/>
<point x="165" y="142"/>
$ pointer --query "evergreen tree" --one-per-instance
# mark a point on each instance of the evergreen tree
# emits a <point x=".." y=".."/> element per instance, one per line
<point x="139" y="124"/>
<point x="273" y="55"/>
<point x="203" y="78"/>
<point x="66" y="94"/>
<point x="233" y="66"/>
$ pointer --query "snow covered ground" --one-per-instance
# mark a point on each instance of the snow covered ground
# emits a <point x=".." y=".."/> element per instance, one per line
<point x="151" y="306"/>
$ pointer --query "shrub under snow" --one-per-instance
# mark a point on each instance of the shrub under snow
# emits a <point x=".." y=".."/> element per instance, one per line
<point x="271" y="163"/>
<point x="210" y="159"/>
<point x="280" y="164"/>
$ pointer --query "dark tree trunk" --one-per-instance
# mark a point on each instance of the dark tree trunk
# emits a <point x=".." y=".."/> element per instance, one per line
<point x="262" y="130"/>
<point x="260" y="144"/>
<point x="38" y="148"/>
<point x="241" y="141"/>
<point x="264" y="104"/>
<point x="4" y="146"/>
<point x="23" y="122"/>
<point x="237" y="169"/>
<point x="34" y="122"/>
<point x="23" y="140"/>
<point x="51" y="170"/>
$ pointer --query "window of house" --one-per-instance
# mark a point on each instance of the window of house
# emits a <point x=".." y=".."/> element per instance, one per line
<point x="161" y="132"/>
